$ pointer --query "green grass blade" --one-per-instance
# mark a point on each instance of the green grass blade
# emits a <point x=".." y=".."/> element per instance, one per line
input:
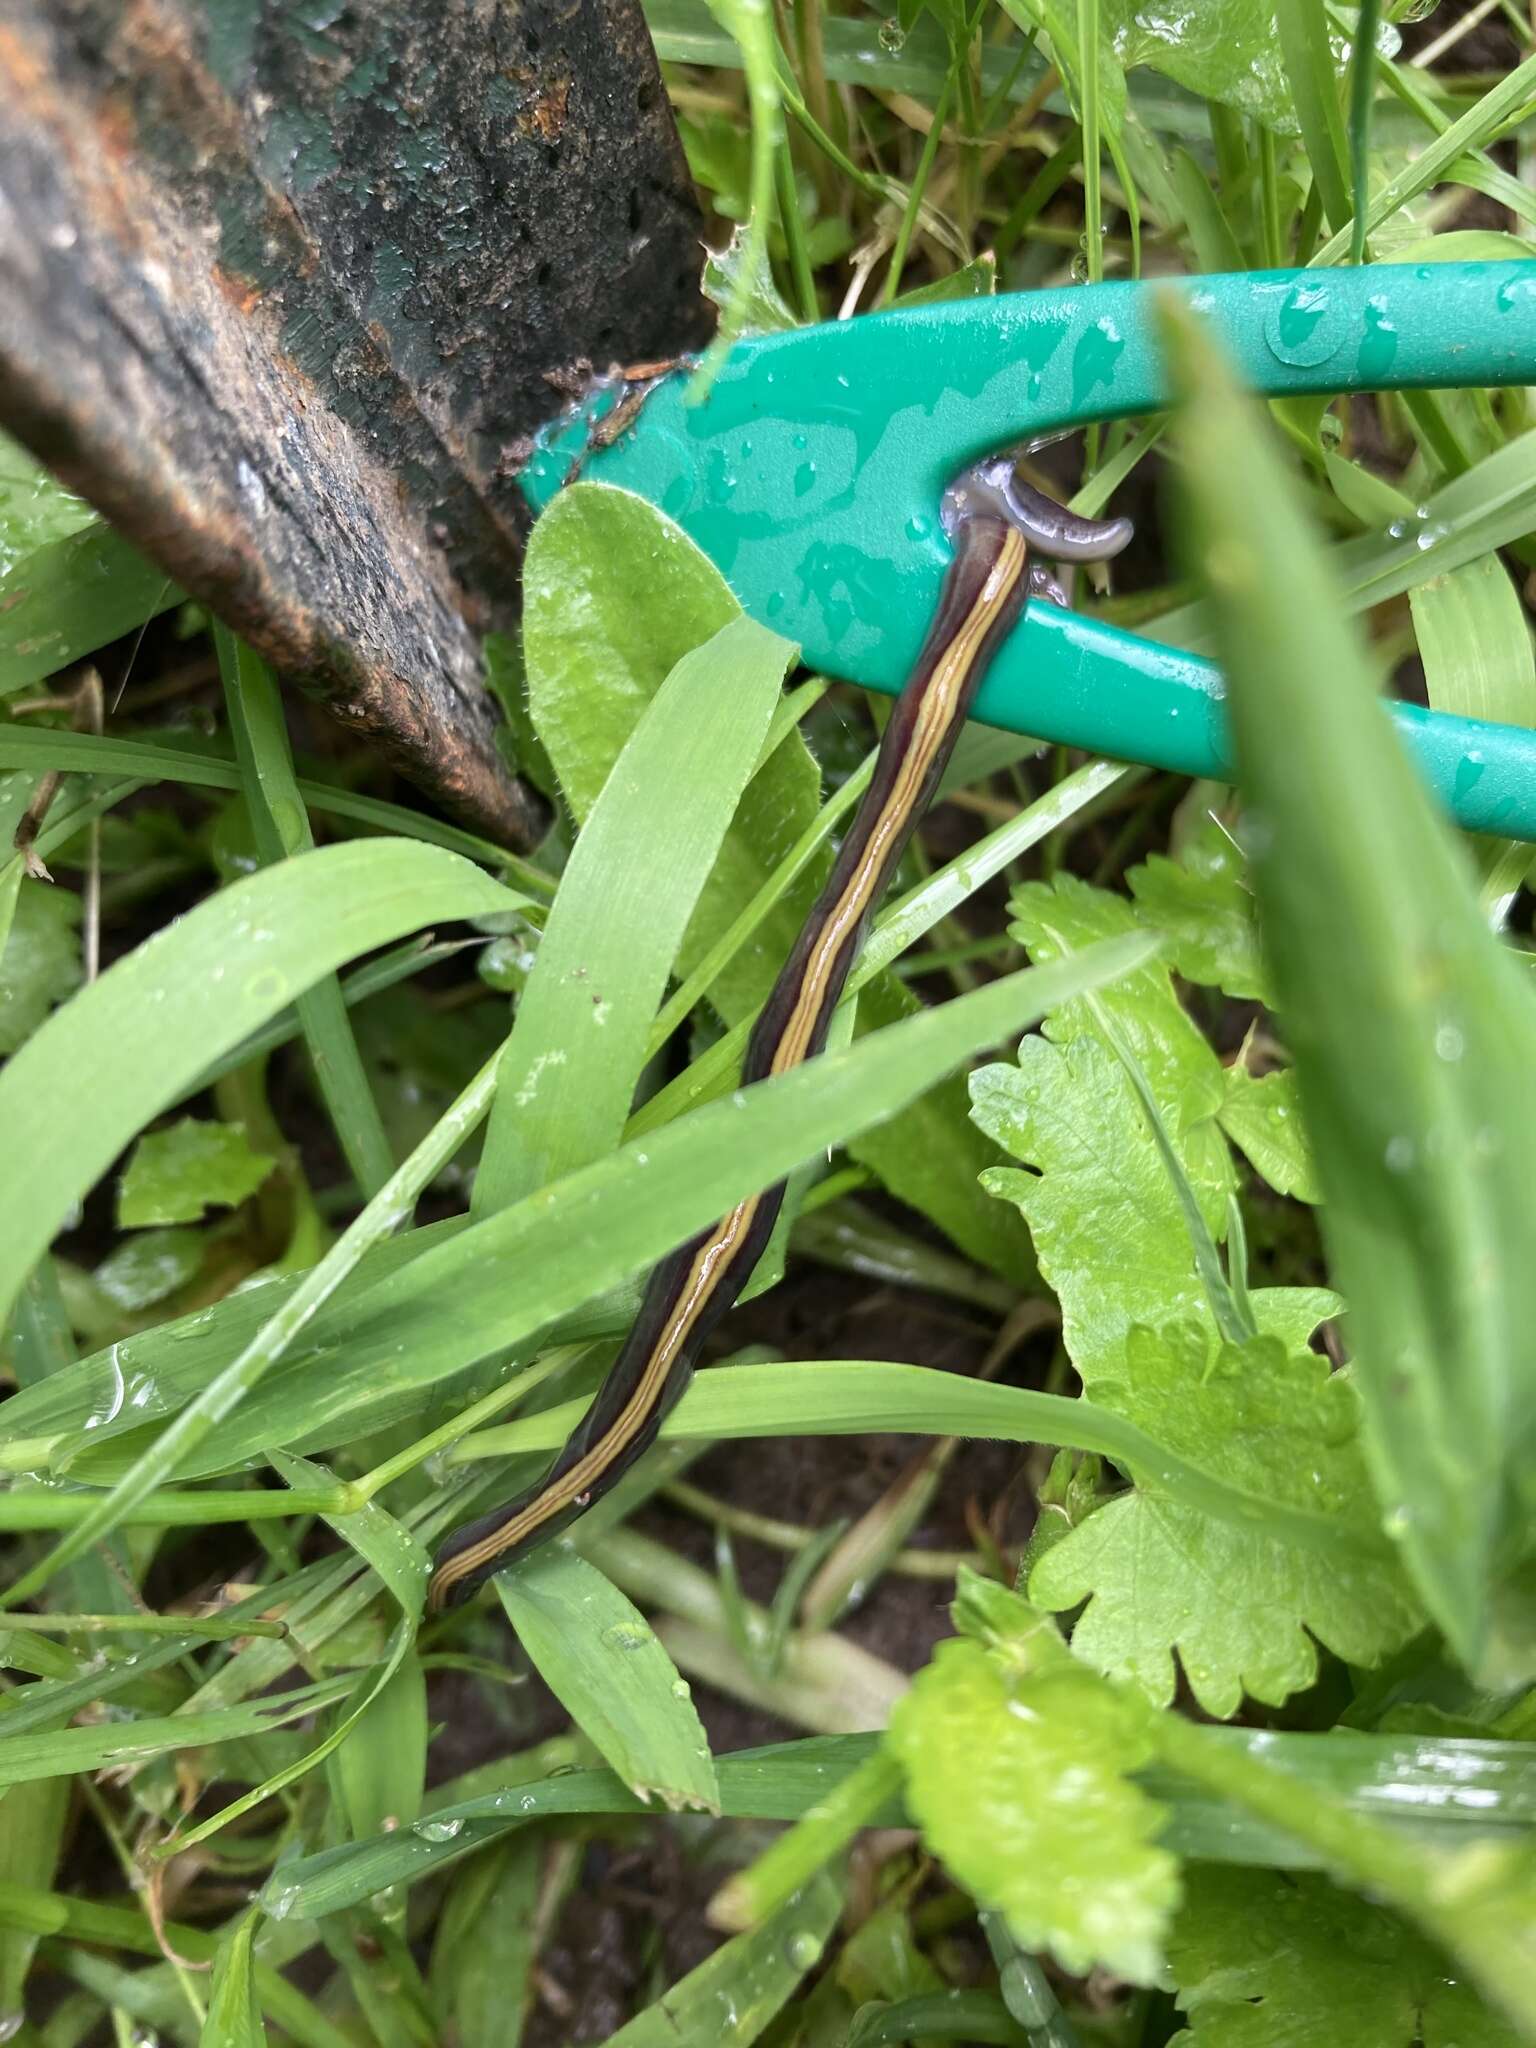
<point x="1476" y="127"/>
<point x="1414" y="1034"/>
<point x="571" y="1243"/>
<point x="1362" y="88"/>
<point x="51" y="746"/>
<point x="123" y="1049"/>
<point x="127" y="1927"/>
<point x="732" y="1997"/>
<point x="63" y="1751"/>
<point x="1308" y="55"/>
<point x="280" y="828"/>
<point x="602" y="1660"/>
<point x="68" y="583"/>
<point x="853" y="1396"/>
<point x="232" y="2020"/>
<point x="625" y="900"/>
<point x="1437" y="1790"/>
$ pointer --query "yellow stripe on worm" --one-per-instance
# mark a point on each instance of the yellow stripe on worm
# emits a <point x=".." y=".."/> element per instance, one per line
<point x="693" y="1287"/>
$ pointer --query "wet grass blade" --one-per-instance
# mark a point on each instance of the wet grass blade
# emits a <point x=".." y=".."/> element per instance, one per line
<point x="1414" y="1033"/>
<point x="1439" y="1790"/>
<point x="280" y="828"/>
<point x="578" y="1044"/>
<point x="601" y="1659"/>
<point x="124" y="1048"/>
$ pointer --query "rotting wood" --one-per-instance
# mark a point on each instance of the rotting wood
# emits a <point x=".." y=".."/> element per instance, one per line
<point x="279" y="298"/>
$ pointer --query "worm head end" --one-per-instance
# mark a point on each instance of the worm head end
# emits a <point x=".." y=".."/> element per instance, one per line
<point x="993" y="489"/>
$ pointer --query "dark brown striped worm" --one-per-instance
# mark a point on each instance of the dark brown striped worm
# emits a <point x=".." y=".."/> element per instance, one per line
<point x="994" y="521"/>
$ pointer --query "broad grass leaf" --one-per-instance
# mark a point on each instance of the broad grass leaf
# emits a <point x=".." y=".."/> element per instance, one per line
<point x="68" y="583"/>
<point x="615" y="596"/>
<point x="1020" y="1784"/>
<point x="1263" y="1958"/>
<point x="233" y="2020"/>
<point x="602" y="1660"/>
<point x="122" y="1050"/>
<point x="380" y="1770"/>
<point x="578" y="1043"/>
<point x="1475" y="644"/>
<point x="1450" y="1791"/>
<point x="1413" y="1031"/>
<point x="39" y="959"/>
<point x="733" y="1996"/>
<point x="484" y="1946"/>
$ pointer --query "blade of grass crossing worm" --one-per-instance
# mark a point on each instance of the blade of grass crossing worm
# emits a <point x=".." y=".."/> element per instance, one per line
<point x="575" y="1241"/>
<point x="733" y="1997"/>
<point x="1307" y="52"/>
<point x="846" y="1397"/>
<point x="232" y="2020"/>
<point x="1414" y="1034"/>
<point x="403" y="1566"/>
<point x="280" y="828"/>
<point x="1475" y="643"/>
<point x="601" y="1659"/>
<point x="121" y="1050"/>
<point x="908" y="920"/>
<point x="631" y="885"/>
